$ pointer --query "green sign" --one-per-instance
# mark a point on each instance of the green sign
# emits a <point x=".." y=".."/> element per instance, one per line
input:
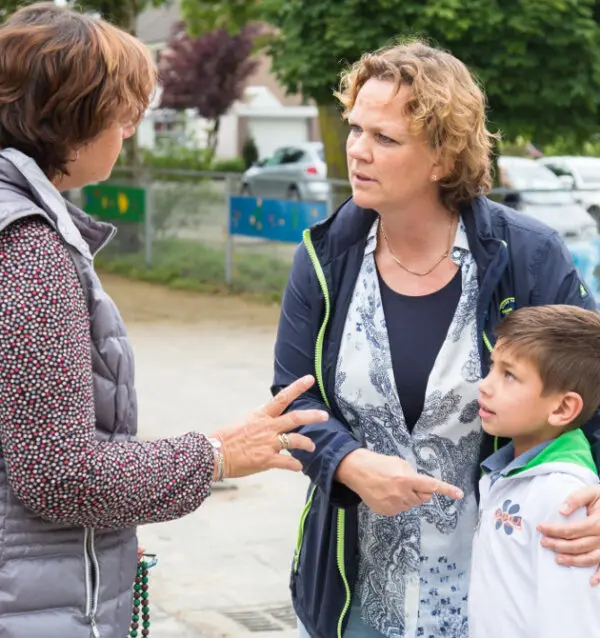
<point x="115" y="203"/>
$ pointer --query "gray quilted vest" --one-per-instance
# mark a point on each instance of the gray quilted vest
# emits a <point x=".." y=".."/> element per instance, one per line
<point x="59" y="581"/>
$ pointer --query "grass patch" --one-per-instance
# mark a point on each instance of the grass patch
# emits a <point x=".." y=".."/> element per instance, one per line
<point x="189" y="265"/>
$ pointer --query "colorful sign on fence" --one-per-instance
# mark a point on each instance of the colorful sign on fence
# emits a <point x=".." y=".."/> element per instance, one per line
<point x="115" y="203"/>
<point x="274" y="219"/>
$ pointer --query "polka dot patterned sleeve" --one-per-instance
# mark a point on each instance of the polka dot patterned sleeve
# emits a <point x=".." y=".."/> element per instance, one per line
<point x="47" y="434"/>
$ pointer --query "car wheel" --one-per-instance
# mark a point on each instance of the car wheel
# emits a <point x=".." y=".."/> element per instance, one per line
<point x="293" y="194"/>
<point x="246" y="192"/>
<point x="594" y="211"/>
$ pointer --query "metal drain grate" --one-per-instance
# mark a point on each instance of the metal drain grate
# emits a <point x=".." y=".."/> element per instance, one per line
<point x="285" y="614"/>
<point x="276" y="618"/>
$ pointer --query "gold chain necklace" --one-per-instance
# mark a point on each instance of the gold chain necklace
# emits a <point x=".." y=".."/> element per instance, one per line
<point x="414" y="272"/>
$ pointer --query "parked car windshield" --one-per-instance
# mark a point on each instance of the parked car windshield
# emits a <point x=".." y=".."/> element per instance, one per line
<point x="588" y="169"/>
<point x="536" y="183"/>
<point x="276" y="158"/>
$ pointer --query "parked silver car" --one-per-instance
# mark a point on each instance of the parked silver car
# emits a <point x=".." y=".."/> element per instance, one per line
<point x="292" y="172"/>
<point x="535" y="190"/>
<point x="582" y="174"/>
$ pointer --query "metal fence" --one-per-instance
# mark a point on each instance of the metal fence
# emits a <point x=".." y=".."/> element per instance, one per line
<point x="183" y="237"/>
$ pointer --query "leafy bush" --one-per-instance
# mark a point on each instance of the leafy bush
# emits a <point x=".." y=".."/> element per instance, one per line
<point x="234" y="165"/>
<point x="562" y="145"/>
<point x="249" y="152"/>
<point x="177" y="158"/>
<point x="191" y="265"/>
<point x="570" y="146"/>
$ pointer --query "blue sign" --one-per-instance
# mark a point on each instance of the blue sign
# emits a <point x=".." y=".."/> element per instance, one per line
<point x="274" y="219"/>
<point x="586" y="256"/>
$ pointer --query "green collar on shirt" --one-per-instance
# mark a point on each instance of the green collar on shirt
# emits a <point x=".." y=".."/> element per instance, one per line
<point x="570" y="447"/>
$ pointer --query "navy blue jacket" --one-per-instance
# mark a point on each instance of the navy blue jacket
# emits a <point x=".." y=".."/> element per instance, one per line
<point x="520" y="263"/>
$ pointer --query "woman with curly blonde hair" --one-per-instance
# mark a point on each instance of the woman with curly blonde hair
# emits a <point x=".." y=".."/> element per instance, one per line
<point x="392" y="303"/>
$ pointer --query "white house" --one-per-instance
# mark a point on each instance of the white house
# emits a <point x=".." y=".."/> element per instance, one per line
<point x="267" y="114"/>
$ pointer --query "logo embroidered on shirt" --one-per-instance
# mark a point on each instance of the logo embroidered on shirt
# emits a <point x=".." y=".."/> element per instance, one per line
<point x="506" y="518"/>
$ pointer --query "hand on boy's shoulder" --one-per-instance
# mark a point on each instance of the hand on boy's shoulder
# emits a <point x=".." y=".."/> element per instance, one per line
<point x="568" y="513"/>
<point x="550" y="494"/>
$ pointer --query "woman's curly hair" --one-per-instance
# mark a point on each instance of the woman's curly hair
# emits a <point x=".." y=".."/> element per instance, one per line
<point x="446" y="104"/>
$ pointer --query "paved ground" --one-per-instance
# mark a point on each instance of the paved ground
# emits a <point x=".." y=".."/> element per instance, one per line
<point x="202" y="362"/>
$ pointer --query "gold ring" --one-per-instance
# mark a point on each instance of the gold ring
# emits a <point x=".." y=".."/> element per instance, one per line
<point x="284" y="441"/>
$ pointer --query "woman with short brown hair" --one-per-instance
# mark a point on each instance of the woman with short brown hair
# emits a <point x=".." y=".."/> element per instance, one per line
<point x="74" y="482"/>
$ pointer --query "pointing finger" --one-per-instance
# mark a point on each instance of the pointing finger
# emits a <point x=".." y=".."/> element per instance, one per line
<point x="423" y="483"/>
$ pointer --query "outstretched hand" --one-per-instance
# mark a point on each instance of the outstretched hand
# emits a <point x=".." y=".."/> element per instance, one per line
<point x="256" y="444"/>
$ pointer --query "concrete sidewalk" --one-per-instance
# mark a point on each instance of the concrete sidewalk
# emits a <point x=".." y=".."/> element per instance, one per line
<point x="224" y="570"/>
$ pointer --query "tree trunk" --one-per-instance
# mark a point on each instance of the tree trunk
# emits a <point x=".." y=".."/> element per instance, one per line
<point x="129" y="237"/>
<point x="212" y="139"/>
<point x="132" y="152"/>
<point x="334" y="132"/>
<point x="495" y="168"/>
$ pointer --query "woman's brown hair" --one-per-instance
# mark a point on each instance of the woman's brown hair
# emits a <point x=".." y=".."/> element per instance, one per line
<point x="65" y="77"/>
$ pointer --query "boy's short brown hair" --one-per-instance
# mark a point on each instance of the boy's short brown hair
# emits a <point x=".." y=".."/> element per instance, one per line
<point x="65" y="77"/>
<point x="563" y="342"/>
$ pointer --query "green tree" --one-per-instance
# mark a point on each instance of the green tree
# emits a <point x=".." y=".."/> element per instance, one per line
<point x="539" y="60"/>
<point x="202" y="16"/>
<point x="120" y="12"/>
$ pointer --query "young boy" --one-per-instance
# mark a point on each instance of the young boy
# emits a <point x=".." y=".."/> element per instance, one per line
<point x="543" y="384"/>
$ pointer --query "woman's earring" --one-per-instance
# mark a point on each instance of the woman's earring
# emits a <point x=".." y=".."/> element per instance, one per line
<point x="434" y="178"/>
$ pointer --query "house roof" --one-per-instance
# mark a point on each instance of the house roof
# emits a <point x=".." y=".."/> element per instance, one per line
<point x="154" y="24"/>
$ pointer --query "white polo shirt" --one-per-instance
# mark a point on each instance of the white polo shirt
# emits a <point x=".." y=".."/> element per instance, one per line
<point x="517" y="589"/>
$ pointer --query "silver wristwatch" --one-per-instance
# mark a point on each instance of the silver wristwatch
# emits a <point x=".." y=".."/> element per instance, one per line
<point x="219" y="460"/>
